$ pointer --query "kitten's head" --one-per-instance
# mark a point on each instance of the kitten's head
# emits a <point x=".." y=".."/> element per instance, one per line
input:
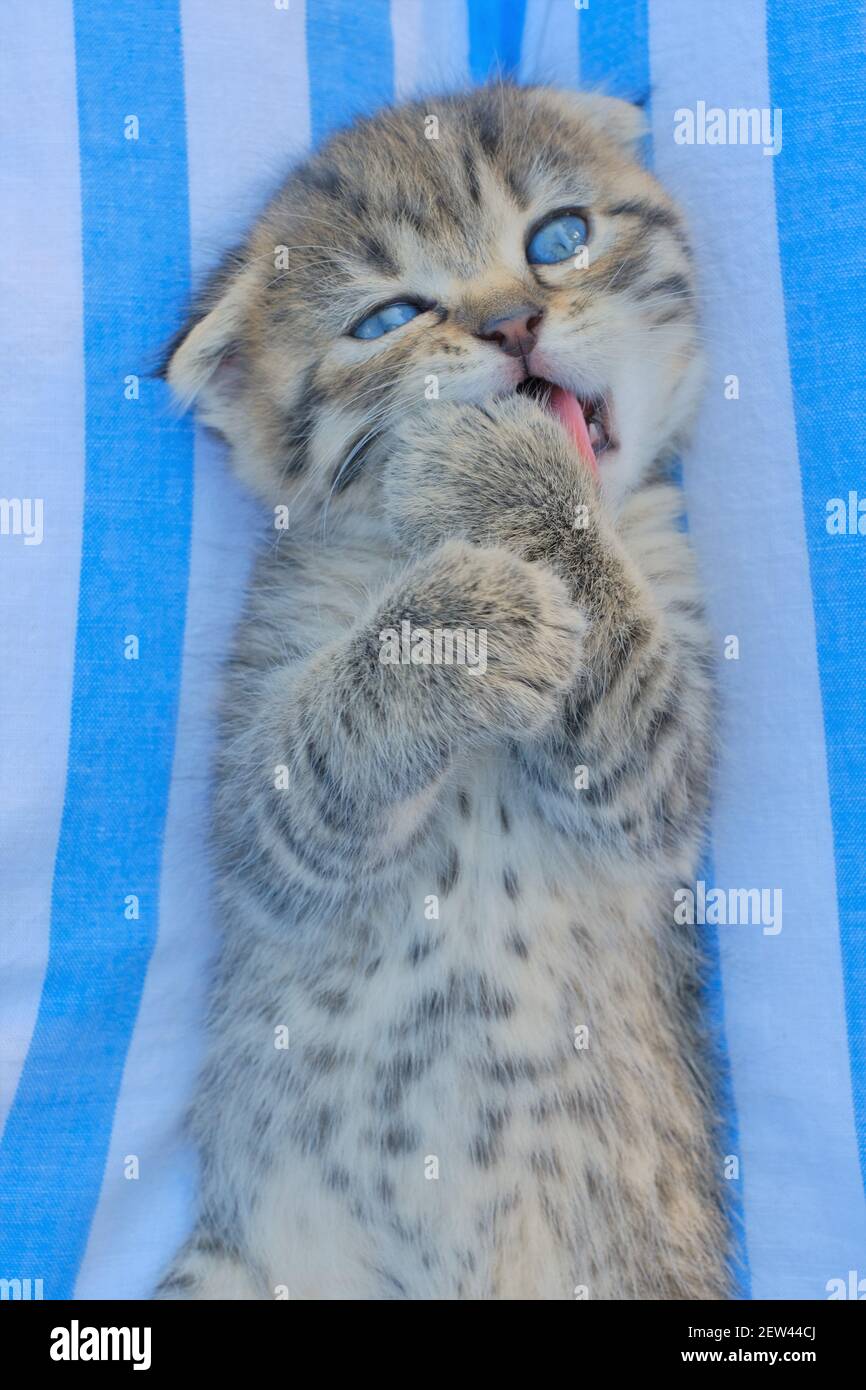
<point x="450" y="249"/>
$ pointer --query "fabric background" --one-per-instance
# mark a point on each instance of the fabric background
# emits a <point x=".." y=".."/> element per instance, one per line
<point x="105" y="761"/>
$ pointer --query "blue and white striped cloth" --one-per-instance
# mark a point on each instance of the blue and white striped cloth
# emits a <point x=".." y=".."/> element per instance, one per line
<point x="107" y="909"/>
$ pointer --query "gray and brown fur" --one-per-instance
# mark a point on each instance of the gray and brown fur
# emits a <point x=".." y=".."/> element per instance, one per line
<point x="421" y="1044"/>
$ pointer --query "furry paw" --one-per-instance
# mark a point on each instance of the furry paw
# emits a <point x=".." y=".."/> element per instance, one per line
<point x="501" y="473"/>
<point x="526" y="637"/>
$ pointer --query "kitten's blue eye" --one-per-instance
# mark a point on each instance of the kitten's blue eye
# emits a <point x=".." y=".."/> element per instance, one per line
<point x="385" y="320"/>
<point x="557" y="239"/>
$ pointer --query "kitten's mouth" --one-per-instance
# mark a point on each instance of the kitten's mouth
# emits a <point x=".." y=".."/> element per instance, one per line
<point x="586" y="419"/>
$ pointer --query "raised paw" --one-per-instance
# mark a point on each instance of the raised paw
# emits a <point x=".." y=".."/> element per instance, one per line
<point x="503" y="473"/>
<point x="525" y="636"/>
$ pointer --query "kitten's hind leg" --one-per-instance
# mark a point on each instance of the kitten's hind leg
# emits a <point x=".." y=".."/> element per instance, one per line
<point x="206" y="1269"/>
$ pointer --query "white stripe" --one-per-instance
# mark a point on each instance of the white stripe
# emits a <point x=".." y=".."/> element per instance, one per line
<point x="42" y="434"/>
<point x="550" y="43"/>
<point x="407" y="28"/>
<point x="431" y="46"/>
<point x="247" y="121"/>
<point x="806" y="1221"/>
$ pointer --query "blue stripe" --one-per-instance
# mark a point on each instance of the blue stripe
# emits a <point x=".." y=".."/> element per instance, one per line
<point x="614" y="55"/>
<point x="350" y="61"/>
<point x="817" y="64"/>
<point x="137" y="512"/>
<point x="614" y="49"/>
<point x="495" y="35"/>
<point x="614" y="58"/>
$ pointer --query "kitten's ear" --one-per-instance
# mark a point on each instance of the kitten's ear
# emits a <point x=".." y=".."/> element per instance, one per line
<point x="203" y="363"/>
<point x="621" y="121"/>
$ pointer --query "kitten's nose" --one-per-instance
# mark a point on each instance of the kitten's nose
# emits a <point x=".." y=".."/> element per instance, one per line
<point x="515" y="332"/>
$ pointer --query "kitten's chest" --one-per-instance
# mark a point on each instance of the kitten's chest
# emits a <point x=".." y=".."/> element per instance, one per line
<point x="497" y="887"/>
<point x="506" y="946"/>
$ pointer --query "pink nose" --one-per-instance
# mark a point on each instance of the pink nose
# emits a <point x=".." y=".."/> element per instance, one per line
<point x="516" y="332"/>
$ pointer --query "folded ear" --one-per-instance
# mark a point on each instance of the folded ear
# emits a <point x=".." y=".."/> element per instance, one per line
<point x="204" y="362"/>
<point x="621" y="121"/>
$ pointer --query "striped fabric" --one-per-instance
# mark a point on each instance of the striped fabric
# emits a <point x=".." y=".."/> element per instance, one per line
<point x="138" y="140"/>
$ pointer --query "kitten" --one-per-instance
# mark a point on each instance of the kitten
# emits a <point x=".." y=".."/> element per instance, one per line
<point x="454" y="1049"/>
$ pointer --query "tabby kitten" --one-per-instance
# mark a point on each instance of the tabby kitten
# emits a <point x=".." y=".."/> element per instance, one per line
<point x="454" y="1052"/>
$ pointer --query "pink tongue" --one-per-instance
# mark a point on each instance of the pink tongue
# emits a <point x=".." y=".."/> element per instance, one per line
<point x="566" y="408"/>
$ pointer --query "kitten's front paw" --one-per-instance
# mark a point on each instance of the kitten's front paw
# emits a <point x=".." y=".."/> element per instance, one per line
<point x="526" y="636"/>
<point x="534" y="651"/>
<point x="496" y="473"/>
